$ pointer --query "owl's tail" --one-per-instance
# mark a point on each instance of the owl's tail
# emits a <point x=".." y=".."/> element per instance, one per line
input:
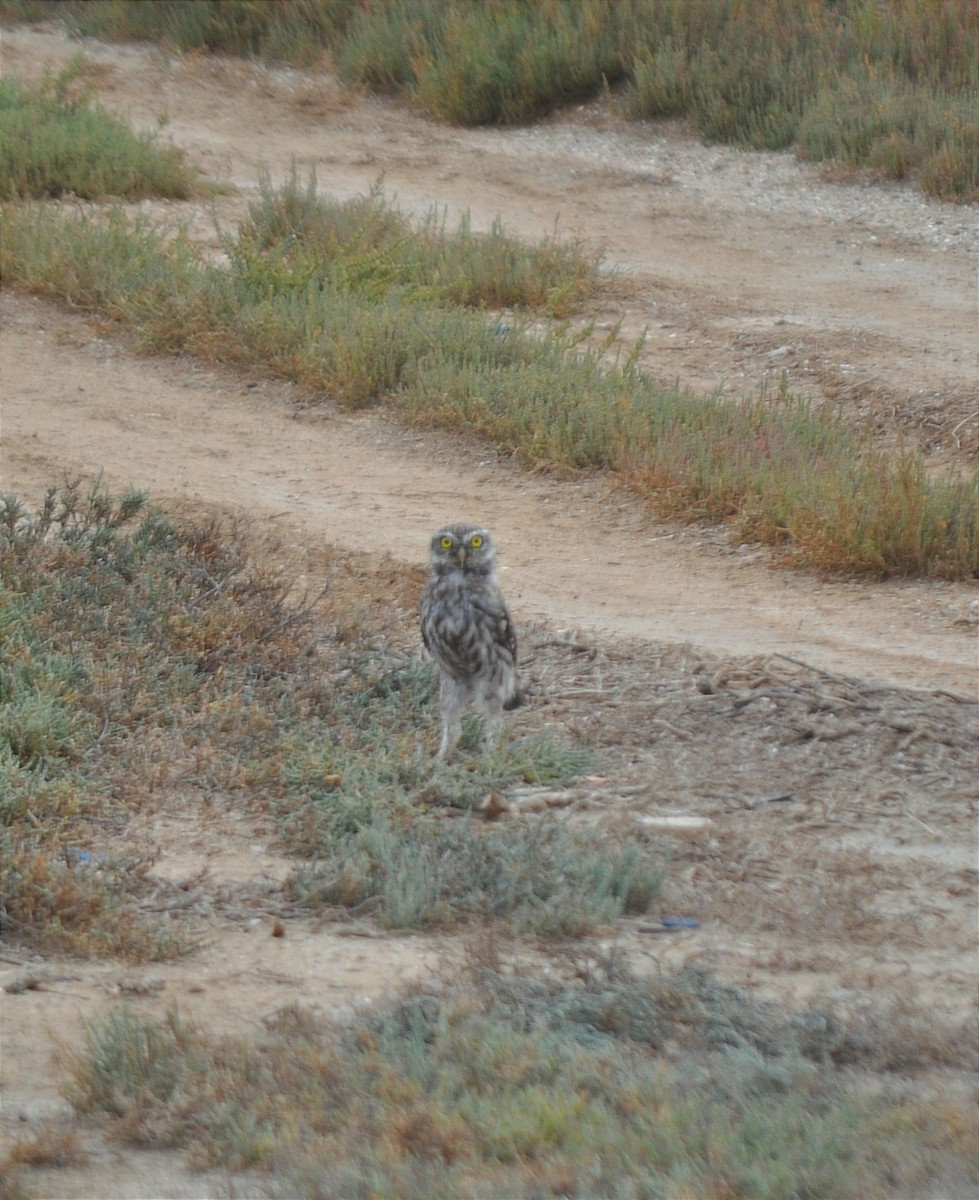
<point x="516" y="700"/>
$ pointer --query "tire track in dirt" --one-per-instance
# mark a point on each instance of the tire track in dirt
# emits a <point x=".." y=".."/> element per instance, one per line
<point x="574" y="551"/>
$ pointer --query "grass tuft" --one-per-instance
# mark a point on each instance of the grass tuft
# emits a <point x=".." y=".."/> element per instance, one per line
<point x="540" y="876"/>
<point x="54" y="140"/>
<point x="365" y="245"/>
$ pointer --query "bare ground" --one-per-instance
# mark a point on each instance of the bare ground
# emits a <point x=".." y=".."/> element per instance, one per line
<point x="836" y="851"/>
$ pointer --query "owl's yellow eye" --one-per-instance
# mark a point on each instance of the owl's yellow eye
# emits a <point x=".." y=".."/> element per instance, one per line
<point x="475" y="541"/>
<point x="445" y="543"/>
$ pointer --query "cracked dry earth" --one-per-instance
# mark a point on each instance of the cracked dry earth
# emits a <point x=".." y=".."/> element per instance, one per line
<point x="817" y="737"/>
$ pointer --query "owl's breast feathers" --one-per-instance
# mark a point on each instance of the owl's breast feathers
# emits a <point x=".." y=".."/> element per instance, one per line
<point x="469" y="634"/>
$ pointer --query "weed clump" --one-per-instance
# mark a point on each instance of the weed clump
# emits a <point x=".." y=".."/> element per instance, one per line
<point x="608" y="1084"/>
<point x="55" y="140"/>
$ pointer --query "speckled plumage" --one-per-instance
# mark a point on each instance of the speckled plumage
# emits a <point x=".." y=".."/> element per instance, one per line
<point x="468" y="631"/>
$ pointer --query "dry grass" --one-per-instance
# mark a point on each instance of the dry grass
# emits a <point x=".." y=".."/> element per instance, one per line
<point x="52" y="1147"/>
<point x="349" y="298"/>
<point x="891" y="87"/>
<point x="504" y="1083"/>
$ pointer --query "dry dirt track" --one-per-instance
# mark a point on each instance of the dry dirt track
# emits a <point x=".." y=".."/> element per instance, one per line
<point x="740" y="267"/>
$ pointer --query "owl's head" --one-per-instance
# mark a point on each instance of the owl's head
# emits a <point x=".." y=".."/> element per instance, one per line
<point x="463" y="547"/>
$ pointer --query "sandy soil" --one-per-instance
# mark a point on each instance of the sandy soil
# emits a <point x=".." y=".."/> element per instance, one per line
<point x="652" y="642"/>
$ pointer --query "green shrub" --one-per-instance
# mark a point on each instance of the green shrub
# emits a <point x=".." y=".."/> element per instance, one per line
<point x="52" y="143"/>
<point x="898" y="129"/>
<point x="383" y="43"/>
<point x="509" y="63"/>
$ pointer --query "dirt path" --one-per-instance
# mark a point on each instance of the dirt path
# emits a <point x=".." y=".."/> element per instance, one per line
<point x="575" y="552"/>
<point x="740" y="267"/>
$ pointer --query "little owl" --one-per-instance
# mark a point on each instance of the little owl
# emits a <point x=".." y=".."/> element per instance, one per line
<point x="467" y="629"/>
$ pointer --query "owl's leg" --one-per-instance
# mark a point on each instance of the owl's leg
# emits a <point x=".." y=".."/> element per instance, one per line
<point x="492" y="710"/>
<point x="492" y="724"/>
<point x="451" y="701"/>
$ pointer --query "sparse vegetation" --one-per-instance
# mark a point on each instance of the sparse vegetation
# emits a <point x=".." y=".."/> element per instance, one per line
<point x="352" y="299"/>
<point x="507" y="1084"/>
<point x="54" y="139"/>
<point x="138" y="651"/>
<point x="893" y="87"/>
<point x="133" y="648"/>
<point x="55" y="709"/>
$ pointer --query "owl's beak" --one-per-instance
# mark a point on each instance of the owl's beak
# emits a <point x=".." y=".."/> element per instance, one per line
<point x="462" y="556"/>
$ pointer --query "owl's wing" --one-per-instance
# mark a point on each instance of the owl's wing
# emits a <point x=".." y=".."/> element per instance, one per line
<point x="507" y="635"/>
<point x="424" y="622"/>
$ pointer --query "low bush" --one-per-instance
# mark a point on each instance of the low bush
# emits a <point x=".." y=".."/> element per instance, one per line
<point x="55" y="140"/>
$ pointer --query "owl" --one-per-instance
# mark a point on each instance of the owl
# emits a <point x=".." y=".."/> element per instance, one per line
<point x="467" y="629"/>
